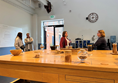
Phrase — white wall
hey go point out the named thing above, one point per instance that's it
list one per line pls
(76, 23)
(16, 17)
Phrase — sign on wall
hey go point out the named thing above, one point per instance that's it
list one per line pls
(52, 16)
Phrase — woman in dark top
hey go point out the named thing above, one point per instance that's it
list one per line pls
(101, 43)
(64, 40)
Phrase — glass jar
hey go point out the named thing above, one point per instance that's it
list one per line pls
(82, 55)
(68, 55)
(70, 47)
(89, 47)
(67, 47)
(58, 48)
(114, 48)
(42, 47)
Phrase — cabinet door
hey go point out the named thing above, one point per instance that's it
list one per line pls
(50, 78)
(77, 79)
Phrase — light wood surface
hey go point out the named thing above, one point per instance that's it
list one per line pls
(116, 81)
(77, 79)
(98, 60)
(100, 67)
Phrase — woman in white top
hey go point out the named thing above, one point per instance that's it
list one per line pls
(18, 42)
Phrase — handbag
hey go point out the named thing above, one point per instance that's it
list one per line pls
(22, 47)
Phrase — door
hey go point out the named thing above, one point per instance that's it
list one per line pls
(58, 35)
(52, 35)
(49, 34)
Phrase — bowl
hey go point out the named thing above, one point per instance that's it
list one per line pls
(53, 47)
(82, 58)
(15, 52)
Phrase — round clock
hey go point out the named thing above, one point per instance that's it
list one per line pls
(93, 17)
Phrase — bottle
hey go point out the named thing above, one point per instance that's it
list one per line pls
(82, 38)
(82, 41)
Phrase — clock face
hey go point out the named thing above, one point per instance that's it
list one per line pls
(93, 17)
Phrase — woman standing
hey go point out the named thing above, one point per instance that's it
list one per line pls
(101, 43)
(18, 42)
(64, 40)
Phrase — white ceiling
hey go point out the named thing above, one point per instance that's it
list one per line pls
(27, 5)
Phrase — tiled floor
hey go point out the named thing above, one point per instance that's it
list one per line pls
(6, 79)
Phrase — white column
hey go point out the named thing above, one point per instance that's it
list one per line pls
(35, 30)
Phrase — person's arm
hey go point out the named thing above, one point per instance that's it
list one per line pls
(70, 42)
(29, 42)
(16, 44)
(26, 42)
(62, 43)
(98, 42)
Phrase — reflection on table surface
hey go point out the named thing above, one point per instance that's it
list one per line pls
(96, 58)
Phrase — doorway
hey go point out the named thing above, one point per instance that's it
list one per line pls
(53, 32)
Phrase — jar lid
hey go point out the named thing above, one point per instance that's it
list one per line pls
(89, 45)
(68, 51)
(114, 43)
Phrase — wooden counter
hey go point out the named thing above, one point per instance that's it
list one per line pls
(101, 67)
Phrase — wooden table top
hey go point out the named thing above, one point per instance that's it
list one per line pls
(99, 60)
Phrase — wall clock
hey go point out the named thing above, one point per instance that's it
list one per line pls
(92, 17)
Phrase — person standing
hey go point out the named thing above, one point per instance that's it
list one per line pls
(101, 43)
(28, 43)
(18, 42)
(64, 40)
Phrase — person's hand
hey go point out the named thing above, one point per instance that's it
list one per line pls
(31, 39)
(70, 41)
(86, 49)
(26, 41)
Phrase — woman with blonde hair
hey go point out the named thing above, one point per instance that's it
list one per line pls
(101, 43)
